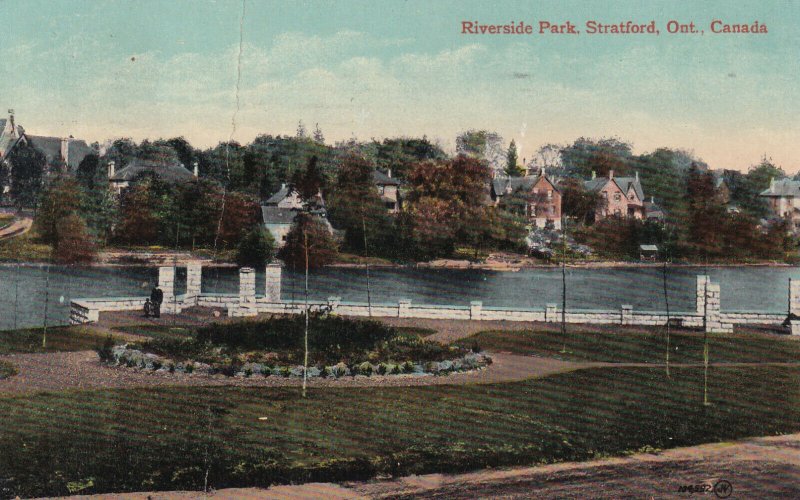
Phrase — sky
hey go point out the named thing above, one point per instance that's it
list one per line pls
(103, 69)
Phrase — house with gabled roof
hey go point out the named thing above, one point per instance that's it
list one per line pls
(171, 172)
(534, 196)
(66, 152)
(783, 198)
(282, 208)
(389, 190)
(621, 196)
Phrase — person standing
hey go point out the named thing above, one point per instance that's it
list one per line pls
(157, 297)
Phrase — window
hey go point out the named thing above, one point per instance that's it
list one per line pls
(381, 189)
(618, 213)
(617, 197)
(549, 194)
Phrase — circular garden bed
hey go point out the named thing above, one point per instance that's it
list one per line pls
(337, 347)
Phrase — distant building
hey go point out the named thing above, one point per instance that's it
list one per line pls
(388, 189)
(282, 208)
(62, 153)
(653, 211)
(783, 197)
(723, 191)
(648, 252)
(171, 172)
(537, 198)
(622, 196)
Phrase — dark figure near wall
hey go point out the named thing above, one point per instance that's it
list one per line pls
(156, 297)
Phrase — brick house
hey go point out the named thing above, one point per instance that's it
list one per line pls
(534, 196)
(622, 196)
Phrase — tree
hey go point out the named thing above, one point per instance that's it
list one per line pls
(484, 145)
(308, 236)
(585, 156)
(706, 214)
(318, 137)
(140, 222)
(301, 130)
(241, 212)
(74, 244)
(27, 172)
(512, 168)
(308, 182)
(60, 199)
(579, 203)
(256, 248)
(443, 201)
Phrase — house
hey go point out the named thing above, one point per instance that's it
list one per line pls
(171, 172)
(622, 196)
(783, 198)
(534, 196)
(281, 209)
(653, 211)
(61, 153)
(388, 189)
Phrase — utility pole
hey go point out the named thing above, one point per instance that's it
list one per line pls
(305, 361)
(563, 283)
(366, 261)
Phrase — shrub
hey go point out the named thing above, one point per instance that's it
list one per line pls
(365, 368)
(256, 248)
(189, 368)
(172, 367)
(106, 350)
(248, 372)
(156, 364)
(266, 371)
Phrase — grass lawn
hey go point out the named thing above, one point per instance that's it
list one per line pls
(170, 438)
(24, 248)
(7, 370)
(621, 344)
(61, 338)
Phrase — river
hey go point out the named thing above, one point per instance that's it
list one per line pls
(27, 291)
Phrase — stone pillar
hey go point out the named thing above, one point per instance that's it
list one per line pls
(194, 277)
(794, 297)
(403, 308)
(713, 319)
(247, 285)
(795, 326)
(166, 282)
(551, 313)
(272, 289)
(627, 315)
(702, 280)
(475, 308)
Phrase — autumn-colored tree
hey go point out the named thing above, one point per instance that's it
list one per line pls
(444, 199)
(241, 213)
(706, 215)
(75, 244)
(310, 237)
(579, 203)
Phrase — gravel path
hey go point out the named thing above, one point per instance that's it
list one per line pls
(83, 370)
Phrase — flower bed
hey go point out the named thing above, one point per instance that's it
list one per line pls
(7, 370)
(338, 347)
(125, 355)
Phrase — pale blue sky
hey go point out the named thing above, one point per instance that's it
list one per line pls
(103, 69)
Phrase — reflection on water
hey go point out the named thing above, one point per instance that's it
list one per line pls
(23, 295)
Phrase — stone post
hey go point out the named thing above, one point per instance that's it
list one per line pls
(194, 277)
(551, 313)
(702, 280)
(475, 308)
(627, 315)
(166, 282)
(403, 308)
(794, 297)
(247, 285)
(795, 326)
(713, 318)
(272, 289)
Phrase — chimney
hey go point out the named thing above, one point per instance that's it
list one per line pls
(195, 170)
(653, 200)
(11, 120)
(637, 175)
(283, 185)
(111, 169)
(594, 175)
(389, 173)
(610, 174)
(542, 172)
(65, 151)
(771, 184)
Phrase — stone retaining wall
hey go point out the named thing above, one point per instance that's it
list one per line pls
(708, 314)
